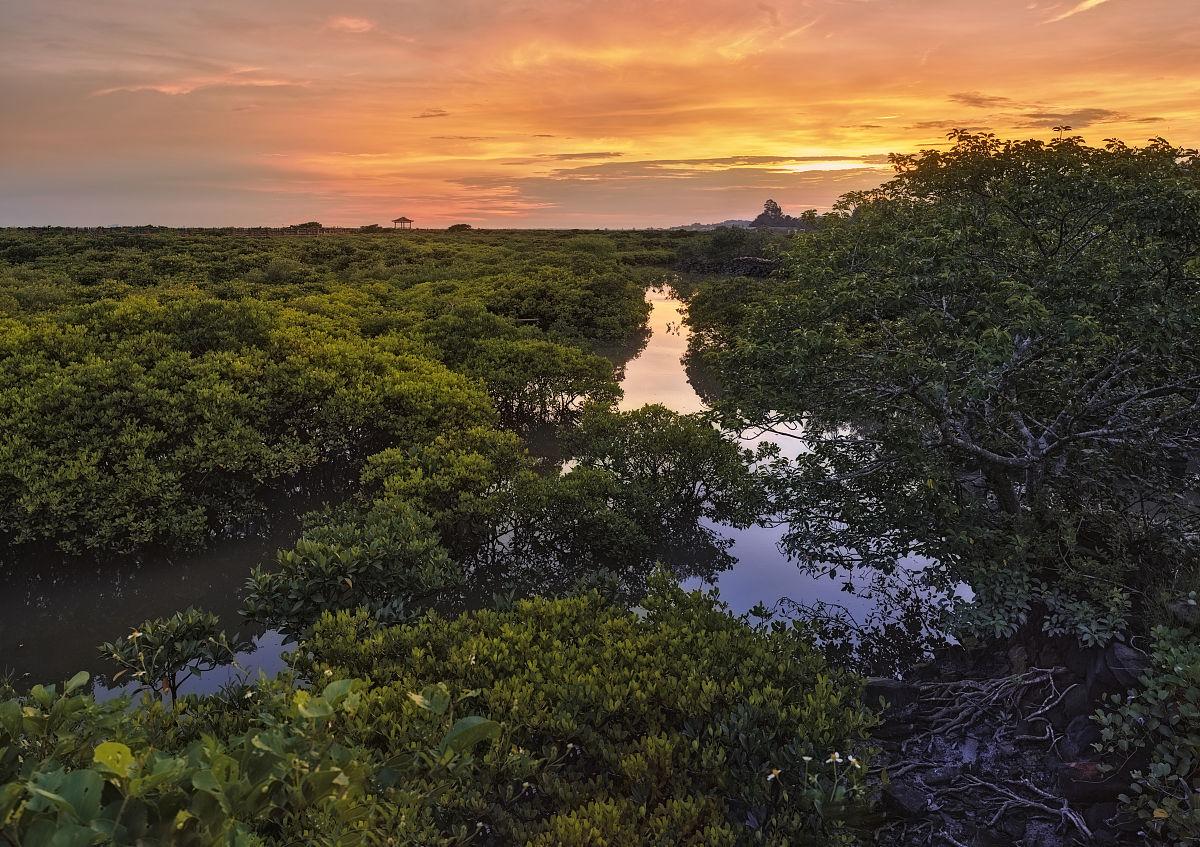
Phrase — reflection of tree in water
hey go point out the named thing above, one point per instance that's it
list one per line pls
(703, 377)
(625, 351)
(688, 552)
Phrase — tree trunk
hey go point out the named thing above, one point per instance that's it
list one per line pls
(1001, 484)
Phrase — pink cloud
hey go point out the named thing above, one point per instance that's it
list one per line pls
(351, 25)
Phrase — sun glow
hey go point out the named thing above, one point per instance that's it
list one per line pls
(542, 114)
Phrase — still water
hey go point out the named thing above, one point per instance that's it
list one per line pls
(54, 613)
(763, 574)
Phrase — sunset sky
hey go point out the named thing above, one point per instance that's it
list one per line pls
(546, 112)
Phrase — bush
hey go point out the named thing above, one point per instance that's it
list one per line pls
(162, 654)
(1163, 718)
(558, 722)
(678, 723)
(65, 781)
(384, 560)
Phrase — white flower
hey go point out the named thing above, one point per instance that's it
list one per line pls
(774, 774)
(806, 758)
(834, 757)
(853, 761)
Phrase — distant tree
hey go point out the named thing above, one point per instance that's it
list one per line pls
(772, 215)
(458, 227)
(306, 225)
(371, 228)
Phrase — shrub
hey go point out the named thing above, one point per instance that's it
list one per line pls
(681, 722)
(162, 654)
(383, 560)
(1162, 717)
(65, 781)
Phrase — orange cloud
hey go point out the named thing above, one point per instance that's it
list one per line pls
(352, 25)
(537, 112)
(1082, 6)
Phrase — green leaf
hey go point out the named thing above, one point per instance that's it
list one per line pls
(433, 698)
(336, 690)
(467, 732)
(82, 789)
(312, 707)
(114, 757)
(76, 682)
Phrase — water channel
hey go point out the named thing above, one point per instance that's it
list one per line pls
(53, 615)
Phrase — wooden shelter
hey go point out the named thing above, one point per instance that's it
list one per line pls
(402, 222)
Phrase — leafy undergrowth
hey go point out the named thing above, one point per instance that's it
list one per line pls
(566, 721)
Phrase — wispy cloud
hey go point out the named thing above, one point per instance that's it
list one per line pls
(979, 100)
(1082, 6)
(237, 78)
(566, 157)
(1075, 118)
(712, 110)
(351, 25)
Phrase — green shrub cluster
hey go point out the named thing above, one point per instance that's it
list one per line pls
(677, 724)
(1161, 718)
(568, 721)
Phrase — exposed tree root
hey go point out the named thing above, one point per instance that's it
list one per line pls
(972, 771)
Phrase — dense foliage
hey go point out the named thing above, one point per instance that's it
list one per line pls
(1159, 724)
(559, 722)
(155, 386)
(993, 364)
(994, 358)
(158, 386)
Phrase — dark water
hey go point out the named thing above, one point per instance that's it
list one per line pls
(54, 613)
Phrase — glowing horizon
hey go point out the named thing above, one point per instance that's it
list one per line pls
(571, 113)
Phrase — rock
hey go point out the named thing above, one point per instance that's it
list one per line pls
(969, 749)
(943, 776)
(1116, 668)
(894, 730)
(896, 692)
(1013, 824)
(1185, 611)
(1082, 782)
(905, 799)
(1098, 815)
(1074, 703)
(1080, 735)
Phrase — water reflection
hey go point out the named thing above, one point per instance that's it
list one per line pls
(664, 374)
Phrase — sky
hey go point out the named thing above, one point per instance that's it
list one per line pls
(559, 113)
